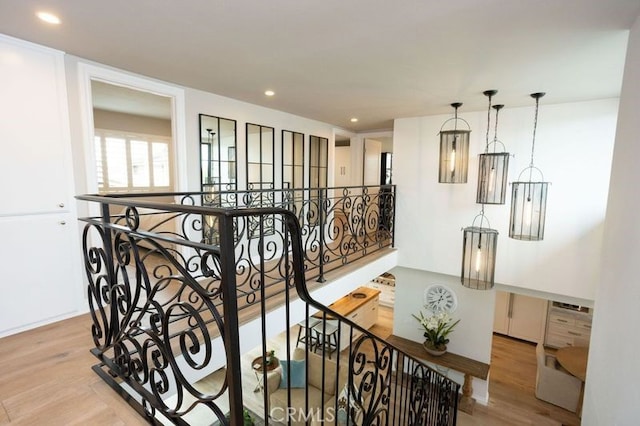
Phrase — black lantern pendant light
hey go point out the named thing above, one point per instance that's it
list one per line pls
(529, 198)
(479, 247)
(494, 165)
(454, 150)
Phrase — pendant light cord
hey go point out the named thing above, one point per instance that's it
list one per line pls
(495, 133)
(486, 148)
(535, 124)
(455, 119)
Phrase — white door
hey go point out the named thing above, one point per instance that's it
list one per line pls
(371, 162)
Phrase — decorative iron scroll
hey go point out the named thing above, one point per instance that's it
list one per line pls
(153, 321)
(387, 387)
(164, 300)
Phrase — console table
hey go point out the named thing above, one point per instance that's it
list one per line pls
(469, 367)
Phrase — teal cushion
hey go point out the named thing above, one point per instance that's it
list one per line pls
(298, 377)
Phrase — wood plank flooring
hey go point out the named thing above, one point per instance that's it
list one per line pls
(46, 379)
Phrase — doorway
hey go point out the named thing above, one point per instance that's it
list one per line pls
(133, 139)
(136, 105)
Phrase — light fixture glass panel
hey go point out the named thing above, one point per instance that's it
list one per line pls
(479, 257)
(454, 156)
(492, 178)
(528, 208)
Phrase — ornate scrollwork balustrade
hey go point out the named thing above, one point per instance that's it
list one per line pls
(167, 304)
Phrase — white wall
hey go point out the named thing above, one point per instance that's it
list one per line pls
(199, 102)
(574, 145)
(470, 338)
(111, 120)
(612, 392)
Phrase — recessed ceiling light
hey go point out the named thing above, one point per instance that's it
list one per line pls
(48, 18)
(354, 120)
(269, 92)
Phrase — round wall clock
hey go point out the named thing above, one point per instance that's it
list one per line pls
(440, 298)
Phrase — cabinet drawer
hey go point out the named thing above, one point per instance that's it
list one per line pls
(561, 319)
(583, 325)
(375, 285)
(558, 341)
(355, 315)
(571, 331)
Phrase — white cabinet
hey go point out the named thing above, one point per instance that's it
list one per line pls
(568, 327)
(365, 316)
(34, 135)
(40, 245)
(40, 282)
(520, 316)
(342, 166)
(387, 289)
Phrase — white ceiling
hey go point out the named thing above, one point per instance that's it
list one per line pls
(332, 60)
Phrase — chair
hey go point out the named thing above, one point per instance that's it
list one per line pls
(554, 385)
(326, 334)
(308, 334)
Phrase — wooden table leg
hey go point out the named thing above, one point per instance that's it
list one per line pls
(467, 402)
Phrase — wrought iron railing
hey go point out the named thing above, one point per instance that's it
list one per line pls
(181, 326)
(339, 225)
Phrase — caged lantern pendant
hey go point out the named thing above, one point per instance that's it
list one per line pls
(494, 166)
(529, 198)
(479, 247)
(454, 150)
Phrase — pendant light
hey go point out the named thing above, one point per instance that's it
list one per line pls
(479, 247)
(529, 198)
(494, 165)
(454, 150)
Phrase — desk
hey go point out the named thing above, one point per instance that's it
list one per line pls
(574, 360)
(469, 367)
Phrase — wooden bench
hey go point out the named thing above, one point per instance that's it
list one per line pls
(469, 367)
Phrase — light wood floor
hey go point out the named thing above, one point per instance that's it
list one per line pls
(46, 379)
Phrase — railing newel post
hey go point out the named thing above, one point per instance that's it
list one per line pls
(230, 312)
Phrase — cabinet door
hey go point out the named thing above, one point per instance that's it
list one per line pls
(370, 313)
(39, 282)
(528, 315)
(342, 166)
(501, 313)
(34, 167)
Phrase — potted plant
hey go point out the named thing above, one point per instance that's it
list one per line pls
(270, 358)
(246, 417)
(248, 420)
(436, 329)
